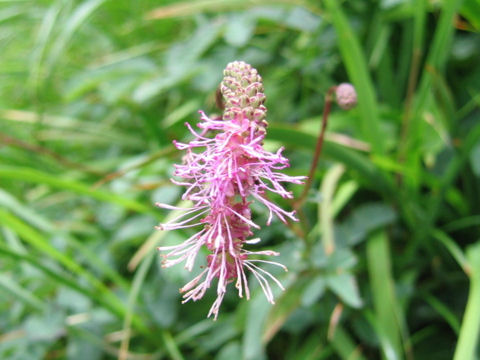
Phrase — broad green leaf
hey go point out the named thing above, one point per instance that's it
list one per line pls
(363, 220)
(345, 287)
(239, 29)
(314, 290)
(45, 327)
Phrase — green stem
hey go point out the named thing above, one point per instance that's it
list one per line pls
(470, 329)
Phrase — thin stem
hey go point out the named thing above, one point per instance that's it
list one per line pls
(318, 148)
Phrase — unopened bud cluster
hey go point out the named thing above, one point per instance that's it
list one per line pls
(242, 90)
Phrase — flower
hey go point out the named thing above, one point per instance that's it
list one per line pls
(346, 96)
(223, 174)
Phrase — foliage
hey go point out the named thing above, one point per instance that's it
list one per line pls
(92, 94)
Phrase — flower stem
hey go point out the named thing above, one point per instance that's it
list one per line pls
(318, 147)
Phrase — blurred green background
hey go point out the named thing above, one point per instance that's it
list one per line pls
(92, 93)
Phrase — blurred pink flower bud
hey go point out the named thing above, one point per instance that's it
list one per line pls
(346, 96)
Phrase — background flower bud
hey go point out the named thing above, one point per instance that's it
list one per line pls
(346, 96)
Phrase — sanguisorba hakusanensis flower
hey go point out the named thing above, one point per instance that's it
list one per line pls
(226, 168)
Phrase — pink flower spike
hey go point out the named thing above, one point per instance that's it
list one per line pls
(224, 169)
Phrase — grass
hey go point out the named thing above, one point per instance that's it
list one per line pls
(385, 263)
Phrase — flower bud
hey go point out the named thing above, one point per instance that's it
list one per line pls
(346, 96)
(242, 90)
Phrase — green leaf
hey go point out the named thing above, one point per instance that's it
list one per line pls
(35, 176)
(45, 327)
(326, 216)
(231, 351)
(471, 11)
(344, 345)
(364, 219)
(357, 162)
(258, 309)
(357, 69)
(285, 305)
(470, 330)
(345, 287)
(24, 212)
(239, 29)
(454, 250)
(75, 20)
(444, 311)
(56, 274)
(475, 159)
(388, 318)
(80, 348)
(301, 19)
(314, 290)
(20, 293)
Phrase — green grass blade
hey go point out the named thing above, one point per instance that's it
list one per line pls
(20, 293)
(327, 190)
(100, 293)
(471, 11)
(454, 250)
(76, 19)
(387, 314)
(357, 69)
(29, 216)
(470, 330)
(451, 173)
(351, 159)
(55, 274)
(35, 176)
(44, 34)
(24, 212)
(138, 280)
(444, 311)
(40, 243)
(437, 55)
(344, 345)
(188, 8)
(154, 239)
(434, 65)
(344, 193)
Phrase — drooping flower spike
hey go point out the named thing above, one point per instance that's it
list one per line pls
(226, 168)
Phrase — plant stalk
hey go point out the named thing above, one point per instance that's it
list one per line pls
(469, 332)
(318, 147)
